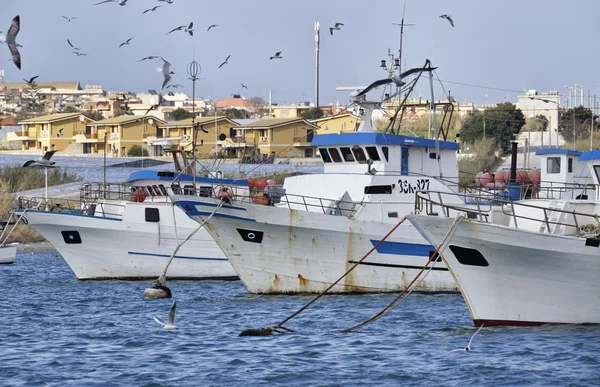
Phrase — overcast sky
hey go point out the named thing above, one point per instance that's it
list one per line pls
(510, 44)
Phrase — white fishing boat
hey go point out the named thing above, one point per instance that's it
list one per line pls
(8, 253)
(303, 237)
(529, 262)
(130, 231)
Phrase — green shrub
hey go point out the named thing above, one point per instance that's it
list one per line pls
(137, 151)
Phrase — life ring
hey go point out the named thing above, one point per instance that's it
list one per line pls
(138, 195)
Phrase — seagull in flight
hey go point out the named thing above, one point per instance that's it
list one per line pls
(167, 1)
(10, 40)
(187, 29)
(225, 62)
(244, 86)
(175, 86)
(447, 17)
(125, 43)
(79, 53)
(211, 26)
(31, 80)
(69, 18)
(45, 160)
(277, 55)
(153, 107)
(149, 57)
(170, 325)
(166, 70)
(152, 9)
(121, 2)
(397, 79)
(335, 27)
(72, 46)
(60, 132)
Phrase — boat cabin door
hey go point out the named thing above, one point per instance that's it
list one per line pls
(404, 161)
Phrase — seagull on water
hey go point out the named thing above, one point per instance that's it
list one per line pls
(72, 46)
(45, 160)
(31, 80)
(166, 70)
(69, 18)
(152, 9)
(10, 40)
(244, 86)
(211, 26)
(277, 55)
(121, 2)
(170, 325)
(149, 57)
(125, 43)
(225, 62)
(447, 17)
(335, 27)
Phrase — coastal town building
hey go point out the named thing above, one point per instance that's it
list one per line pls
(340, 123)
(122, 133)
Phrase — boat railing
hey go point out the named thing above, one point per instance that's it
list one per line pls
(71, 206)
(553, 216)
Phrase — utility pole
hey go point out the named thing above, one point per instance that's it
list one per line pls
(317, 32)
(270, 104)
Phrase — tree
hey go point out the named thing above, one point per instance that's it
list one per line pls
(234, 113)
(121, 111)
(313, 113)
(93, 114)
(502, 122)
(137, 151)
(575, 124)
(181, 114)
(260, 106)
(71, 109)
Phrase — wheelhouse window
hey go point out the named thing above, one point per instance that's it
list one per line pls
(359, 154)
(325, 155)
(386, 153)
(570, 165)
(335, 155)
(553, 165)
(378, 189)
(347, 154)
(372, 152)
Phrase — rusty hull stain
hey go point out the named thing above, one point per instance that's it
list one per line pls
(303, 284)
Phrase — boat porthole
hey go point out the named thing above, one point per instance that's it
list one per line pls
(251, 235)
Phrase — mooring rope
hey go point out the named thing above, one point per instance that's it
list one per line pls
(3, 241)
(160, 281)
(280, 325)
(408, 290)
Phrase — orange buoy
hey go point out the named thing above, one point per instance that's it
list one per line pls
(535, 175)
(270, 183)
(260, 184)
(502, 176)
(483, 178)
(523, 177)
(225, 193)
(251, 183)
(138, 195)
(261, 198)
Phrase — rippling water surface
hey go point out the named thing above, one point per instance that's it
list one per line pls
(57, 330)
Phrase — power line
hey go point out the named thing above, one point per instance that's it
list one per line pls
(484, 87)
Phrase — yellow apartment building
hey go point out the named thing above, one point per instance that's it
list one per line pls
(337, 124)
(178, 134)
(50, 132)
(281, 137)
(122, 133)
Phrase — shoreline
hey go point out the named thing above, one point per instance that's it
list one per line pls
(36, 247)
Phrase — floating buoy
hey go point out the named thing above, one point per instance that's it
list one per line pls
(261, 198)
(260, 184)
(251, 182)
(156, 292)
(502, 176)
(138, 195)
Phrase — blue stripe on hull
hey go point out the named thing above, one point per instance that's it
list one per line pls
(398, 248)
(177, 256)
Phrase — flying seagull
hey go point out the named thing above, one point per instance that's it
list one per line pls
(397, 79)
(211, 26)
(170, 325)
(277, 55)
(148, 57)
(447, 17)
(184, 28)
(166, 70)
(121, 2)
(153, 107)
(45, 160)
(125, 43)
(244, 86)
(79, 53)
(10, 40)
(225, 62)
(69, 18)
(335, 27)
(60, 132)
(152, 9)
(72, 46)
(31, 80)
(167, 1)
(175, 86)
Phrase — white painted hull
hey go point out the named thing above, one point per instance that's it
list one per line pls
(127, 249)
(8, 254)
(532, 278)
(305, 252)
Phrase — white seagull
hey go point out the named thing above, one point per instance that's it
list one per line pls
(72, 46)
(166, 70)
(468, 347)
(335, 27)
(69, 18)
(212, 26)
(225, 62)
(152, 9)
(170, 325)
(277, 55)
(125, 43)
(149, 57)
(187, 29)
(10, 40)
(167, 1)
(447, 17)
(121, 2)
(45, 160)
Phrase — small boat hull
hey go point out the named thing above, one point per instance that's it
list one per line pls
(8, 254)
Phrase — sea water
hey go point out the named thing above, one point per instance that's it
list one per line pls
(58, 331)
